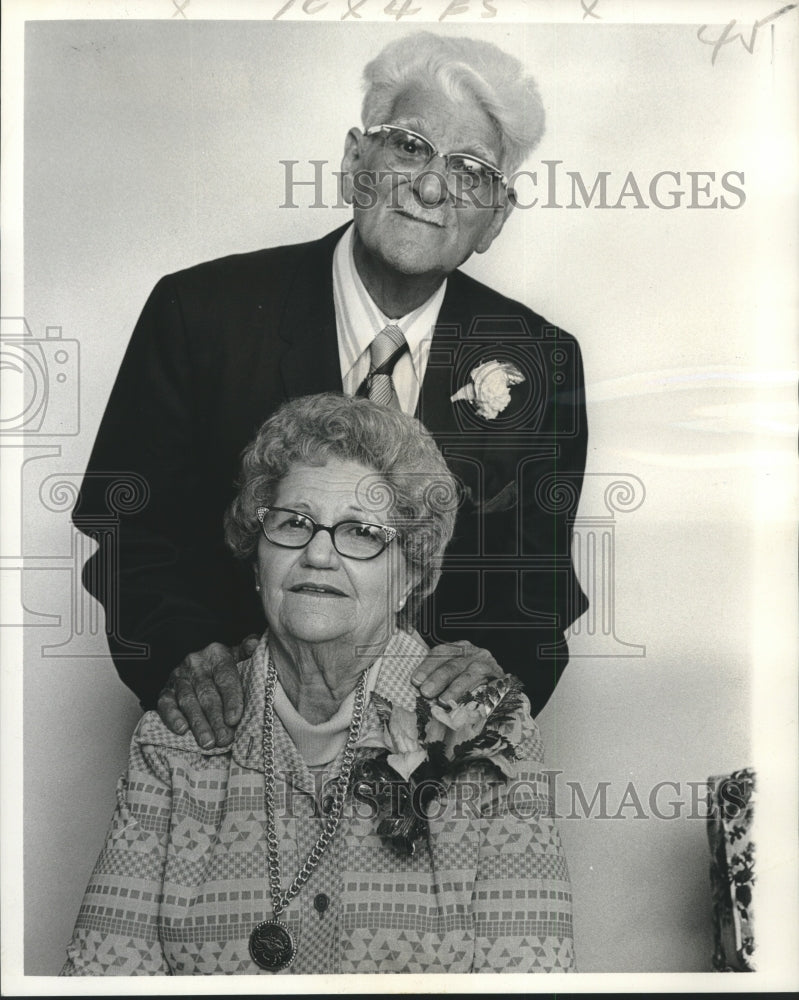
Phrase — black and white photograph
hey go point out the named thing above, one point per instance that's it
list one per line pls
(399, 487)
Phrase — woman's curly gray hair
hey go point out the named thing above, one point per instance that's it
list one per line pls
(465, 69)
(412, 486)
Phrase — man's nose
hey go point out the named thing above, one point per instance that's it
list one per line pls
(430, 187)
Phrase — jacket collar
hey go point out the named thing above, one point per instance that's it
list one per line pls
(435, 410)
(310, 361)
(401, 656)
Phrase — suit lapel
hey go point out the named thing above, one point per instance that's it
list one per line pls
(468, 332)
(435, 410)
(310, 360)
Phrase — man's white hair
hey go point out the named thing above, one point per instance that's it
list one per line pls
(466, 70)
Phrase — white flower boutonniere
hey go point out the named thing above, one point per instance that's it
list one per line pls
(489, 389)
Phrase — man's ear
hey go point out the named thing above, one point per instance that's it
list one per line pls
(350, 163)
(501, 213)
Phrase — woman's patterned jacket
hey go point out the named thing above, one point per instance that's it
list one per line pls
(182, 878)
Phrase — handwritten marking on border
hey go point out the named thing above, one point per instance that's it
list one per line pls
(352, 9)
(590, 10)
(396, 9)
(726, 36)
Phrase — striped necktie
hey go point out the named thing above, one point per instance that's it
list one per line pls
(384, 351)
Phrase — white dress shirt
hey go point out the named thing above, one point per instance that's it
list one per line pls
(358, 322)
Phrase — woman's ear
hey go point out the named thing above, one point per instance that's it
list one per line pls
(411, 580)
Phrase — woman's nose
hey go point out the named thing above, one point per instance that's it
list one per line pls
(431, 187)
(320, 551)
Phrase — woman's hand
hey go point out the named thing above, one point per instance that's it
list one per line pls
(204, 693)
(451, 669)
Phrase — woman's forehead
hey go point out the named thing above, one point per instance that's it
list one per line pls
(337, 485)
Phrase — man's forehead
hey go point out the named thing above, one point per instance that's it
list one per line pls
(461, 125)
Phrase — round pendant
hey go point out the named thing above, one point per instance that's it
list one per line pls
(272, 946)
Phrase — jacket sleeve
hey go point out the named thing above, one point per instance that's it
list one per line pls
(117, 929)
(522, 895)
(140, 499)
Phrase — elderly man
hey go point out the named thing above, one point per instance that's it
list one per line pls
(378, 307)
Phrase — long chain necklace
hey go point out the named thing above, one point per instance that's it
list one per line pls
(272, 945)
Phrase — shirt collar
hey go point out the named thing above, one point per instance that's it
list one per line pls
(359, 320)
(390, 676)
(319, 743)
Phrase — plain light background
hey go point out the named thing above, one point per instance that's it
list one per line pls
(150, 146)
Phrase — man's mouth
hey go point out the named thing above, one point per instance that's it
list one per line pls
(419, 218)
(318, 589)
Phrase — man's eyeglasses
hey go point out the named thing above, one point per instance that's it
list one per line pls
(352, 539)
(407, 151)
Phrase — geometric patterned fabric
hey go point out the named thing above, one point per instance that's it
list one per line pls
(182, 879)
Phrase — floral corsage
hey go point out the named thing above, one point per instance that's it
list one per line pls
(419, 751)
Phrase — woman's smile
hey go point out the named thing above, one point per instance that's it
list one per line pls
(316, 590)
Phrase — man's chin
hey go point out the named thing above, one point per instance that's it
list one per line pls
(413, 258)
(408, 252)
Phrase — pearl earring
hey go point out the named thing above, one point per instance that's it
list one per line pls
(258, 586)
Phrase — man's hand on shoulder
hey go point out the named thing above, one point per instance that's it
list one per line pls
(451, 669)
(204, 694)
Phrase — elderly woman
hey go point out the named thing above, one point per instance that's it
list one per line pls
(352, 826)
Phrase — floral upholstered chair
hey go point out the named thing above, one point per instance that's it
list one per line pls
(731, 799)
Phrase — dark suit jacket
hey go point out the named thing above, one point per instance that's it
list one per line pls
(217, 349)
